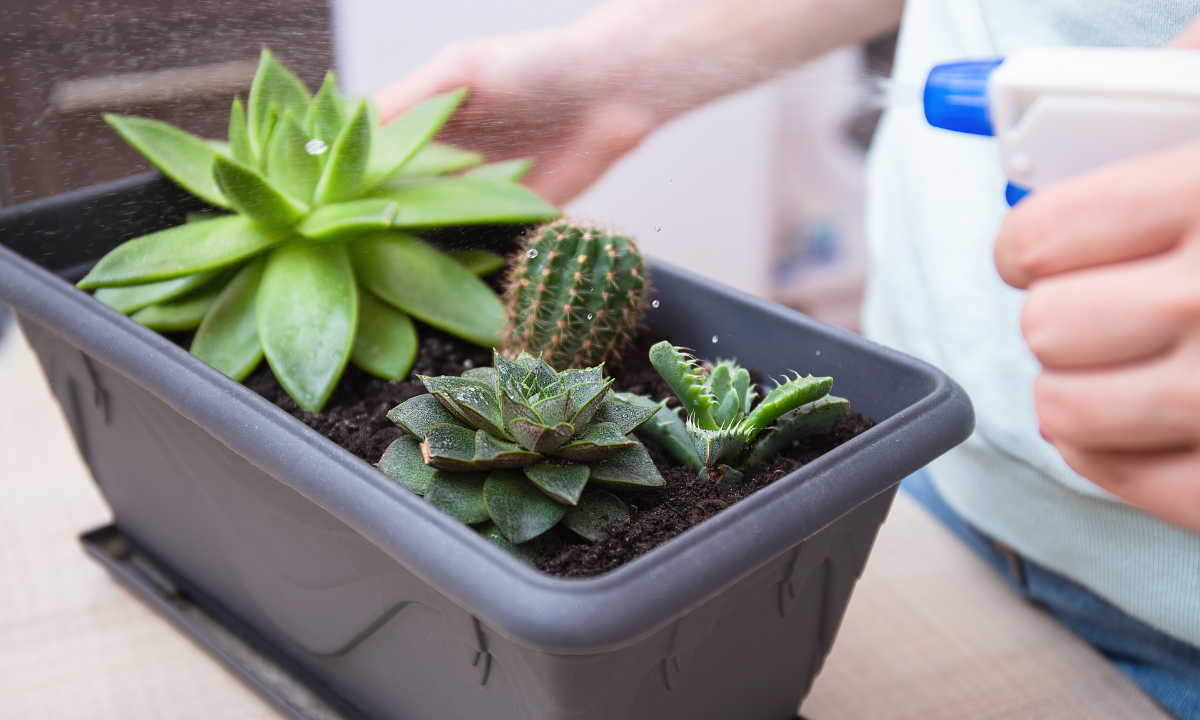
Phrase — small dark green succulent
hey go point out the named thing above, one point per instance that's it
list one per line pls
(727, 429)
(573, 295)
(520, 448)
(314, 265)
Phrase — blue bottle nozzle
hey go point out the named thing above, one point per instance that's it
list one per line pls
(956, 96)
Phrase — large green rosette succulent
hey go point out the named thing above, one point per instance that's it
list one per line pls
(314, 262)
(518, 449)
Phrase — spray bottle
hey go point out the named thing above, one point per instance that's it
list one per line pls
(1059, 111)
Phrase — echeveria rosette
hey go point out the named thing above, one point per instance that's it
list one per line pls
(315, 266)
(523, 448)
(726, 427)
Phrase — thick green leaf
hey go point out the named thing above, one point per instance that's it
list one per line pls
(402, 462)
(252, 194)
(601, 441)
(428, 285)
(290, 166)
(539, 438)
(667, 430)
(325, 115)
(342, 178)
(478, 261)
(520, 510)
(784, 398)
(400, 139)
(555, 409)
(486, 374)
(714, 446)
(679, 372)
(479, 407)
(586, 399)
(435, 158)
(228, 337)
(386, 342)
(596, 510)
(439, 202)
(135, 297)
(563, 483)
(451, 447)
(582, 376)
(508, 171)
(630, 469)
(178, 251)
(500, 454)
(239, 135)
(805, 420)
(273, 85)
(527, 553)
(417, 414)
(186, 313)
(181, 156)
(459, 495)
(307, 317)
(345, 221)
(623, 414)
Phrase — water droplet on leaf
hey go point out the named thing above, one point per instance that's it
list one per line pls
(532, 252)
(658, 228)
(714, 339)
(589, 316)
(655, 304)
(316, 146)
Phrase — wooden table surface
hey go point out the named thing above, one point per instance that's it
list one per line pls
(931, 632)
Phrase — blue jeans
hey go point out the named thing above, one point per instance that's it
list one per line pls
(1168, 670)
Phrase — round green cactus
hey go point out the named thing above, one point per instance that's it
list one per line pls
(573, 295)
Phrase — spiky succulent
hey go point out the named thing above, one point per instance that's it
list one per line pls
(573, 295)
(522, 447)
(725, 425)
(312, 267)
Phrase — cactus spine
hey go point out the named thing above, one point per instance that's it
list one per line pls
(573, 295)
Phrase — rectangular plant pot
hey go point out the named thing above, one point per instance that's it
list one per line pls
(400, 610)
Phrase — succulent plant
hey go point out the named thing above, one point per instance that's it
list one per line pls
(312, 266)
(727, 428)
(520, 448)
(573, 295)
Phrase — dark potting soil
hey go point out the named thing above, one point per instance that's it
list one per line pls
(356, 418)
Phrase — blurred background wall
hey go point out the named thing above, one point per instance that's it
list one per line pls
(761, 191)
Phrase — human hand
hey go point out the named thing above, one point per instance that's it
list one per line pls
(1111, 260)
(576, 98)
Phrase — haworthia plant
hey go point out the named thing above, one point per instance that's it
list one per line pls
(522, 449)
(727, 424)
(573, 295)
(316, 264)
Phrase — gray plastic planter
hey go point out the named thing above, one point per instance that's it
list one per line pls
(403, 612)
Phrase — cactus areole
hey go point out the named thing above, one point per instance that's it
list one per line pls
(518, 448)
(573, 295)
(309, 260)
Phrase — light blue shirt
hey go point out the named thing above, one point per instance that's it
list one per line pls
(935, 203)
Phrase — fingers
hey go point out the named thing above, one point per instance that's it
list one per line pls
(1119, 212)
(1152, 405)
(571, 168)
(1164, 484)
(1114, 313)
(453, 67)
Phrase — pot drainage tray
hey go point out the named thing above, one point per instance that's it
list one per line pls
(245, 654)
